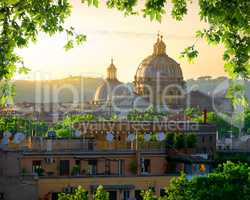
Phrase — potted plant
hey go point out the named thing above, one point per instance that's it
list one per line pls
(76, 170)
(40, 171)
(133, 166)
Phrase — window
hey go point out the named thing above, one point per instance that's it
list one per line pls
(145, 166)
(78, 162)
(120, 167)
(90, 145)
(107, 167)
(126, 195)
(36, 166)
(64, 167)
(210, 138)
(92, 167)
(203, 139)
(202, 168)
(112, 195)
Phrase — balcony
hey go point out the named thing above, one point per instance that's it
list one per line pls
(37, 145)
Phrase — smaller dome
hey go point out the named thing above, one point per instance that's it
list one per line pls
(105, 91)
(111, 86)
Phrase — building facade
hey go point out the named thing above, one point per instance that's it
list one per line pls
(40, 168)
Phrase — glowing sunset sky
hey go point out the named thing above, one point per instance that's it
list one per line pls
(127, 39)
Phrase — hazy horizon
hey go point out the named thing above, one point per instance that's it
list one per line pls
(127, 39)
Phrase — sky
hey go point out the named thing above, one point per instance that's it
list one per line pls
(128, 40)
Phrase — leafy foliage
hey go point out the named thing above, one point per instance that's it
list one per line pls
(101, 194)
(149, 195)
(219, 119)
(79, 194)
(65, 128)
(230, 181)
(190, 53)
(148, 115)
(20, 24)
(18, 124)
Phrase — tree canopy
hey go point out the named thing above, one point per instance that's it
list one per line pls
(229, 181)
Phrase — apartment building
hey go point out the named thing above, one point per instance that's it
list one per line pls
(117, 155)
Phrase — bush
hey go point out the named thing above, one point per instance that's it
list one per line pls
(101, 194)
(78, 194)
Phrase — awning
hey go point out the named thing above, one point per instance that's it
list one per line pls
(113, 187)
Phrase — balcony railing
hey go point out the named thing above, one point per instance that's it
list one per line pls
(80, 145)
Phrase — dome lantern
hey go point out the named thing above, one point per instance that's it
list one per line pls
(159, 46)
(111, 71)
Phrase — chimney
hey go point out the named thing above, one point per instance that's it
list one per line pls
(205, 116)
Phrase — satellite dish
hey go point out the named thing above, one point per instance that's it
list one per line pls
(18, 138)
(7, 134)
(131, 137)
(51, 134)
(109, 136)
(77, 133)
(5, 141)
(160, 136)
(147, 137)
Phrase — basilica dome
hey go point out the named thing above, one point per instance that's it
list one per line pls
(159, 77)
(111, 87)
(159, 64)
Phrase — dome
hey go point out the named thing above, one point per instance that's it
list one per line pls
(159, 64)
(104, 91)
(159, 78)
(111, 87)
